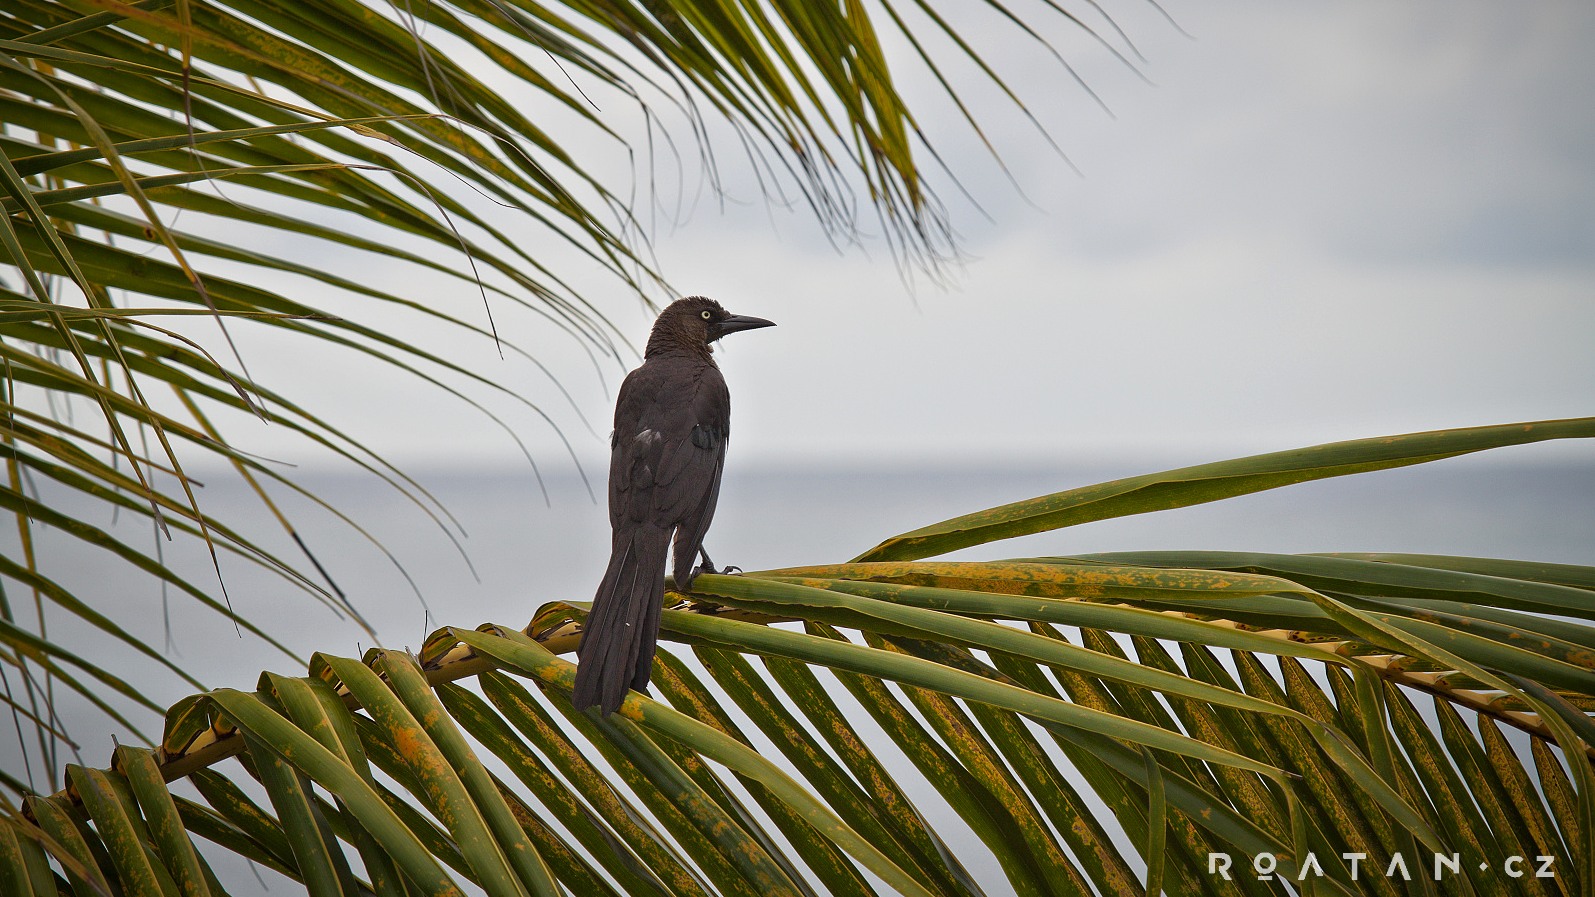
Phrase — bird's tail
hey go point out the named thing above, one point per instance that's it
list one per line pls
(617, 646)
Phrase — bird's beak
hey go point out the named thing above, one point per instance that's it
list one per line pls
(736, 323)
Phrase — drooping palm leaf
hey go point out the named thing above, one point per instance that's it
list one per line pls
(146, 147)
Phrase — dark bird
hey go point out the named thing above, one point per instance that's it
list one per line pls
(668, 448)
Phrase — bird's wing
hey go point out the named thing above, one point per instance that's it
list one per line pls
(668, 447)
(695, 437)
(689, 475)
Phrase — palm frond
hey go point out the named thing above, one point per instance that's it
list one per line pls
(1107, 724)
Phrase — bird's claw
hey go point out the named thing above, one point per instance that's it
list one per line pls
(708, 567)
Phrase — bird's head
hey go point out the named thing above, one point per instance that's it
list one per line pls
(695, 322)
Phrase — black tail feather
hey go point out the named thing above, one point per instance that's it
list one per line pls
(617, 646)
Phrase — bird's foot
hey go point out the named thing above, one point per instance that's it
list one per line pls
(708, 567)
(723, 571)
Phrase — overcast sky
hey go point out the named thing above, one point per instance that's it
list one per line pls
(1308, 222)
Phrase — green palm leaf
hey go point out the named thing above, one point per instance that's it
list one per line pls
(1014, 695)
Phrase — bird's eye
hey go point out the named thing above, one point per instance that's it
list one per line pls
(707, 315)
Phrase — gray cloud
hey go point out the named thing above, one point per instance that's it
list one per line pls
(1323, 221)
